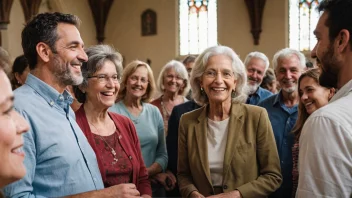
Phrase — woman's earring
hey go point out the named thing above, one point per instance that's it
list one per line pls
(233, 94)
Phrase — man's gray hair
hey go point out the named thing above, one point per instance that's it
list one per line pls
(259, 55)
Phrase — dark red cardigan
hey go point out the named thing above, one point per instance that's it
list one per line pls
(130, 144)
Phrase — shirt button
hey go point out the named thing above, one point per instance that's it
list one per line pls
(130, 157)
(51, 103)
(225, 187)
(282, 162)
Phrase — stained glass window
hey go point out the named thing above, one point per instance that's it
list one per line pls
(198, 25)
(303, 20)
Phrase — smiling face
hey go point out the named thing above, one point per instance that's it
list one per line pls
(67, 61)
(103, 86)
(12, 125)
(255, 73)
(173, 82)
(287, 73)
(312, 95)
(324, 51)
(218, 79)
(137, 83)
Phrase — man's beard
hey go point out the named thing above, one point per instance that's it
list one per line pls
(63, 73)
(251, 89)
(328, 78)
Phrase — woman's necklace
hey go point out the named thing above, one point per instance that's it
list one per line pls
(113, 152)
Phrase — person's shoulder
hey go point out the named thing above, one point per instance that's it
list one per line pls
(25, 97)
(265, 93)
(268, 101)
(150, 107)
(119, 118)
(156, 101)
(248, 110)
(189, 116)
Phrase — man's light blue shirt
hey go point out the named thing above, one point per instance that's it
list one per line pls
(58, 158)
(260, 95)
(282, 120)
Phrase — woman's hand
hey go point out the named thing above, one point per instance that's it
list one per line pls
(232, 194)
(196, 194)
(166, 180)
(124, 191)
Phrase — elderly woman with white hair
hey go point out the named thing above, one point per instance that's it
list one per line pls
(226, 148)
(173, 84)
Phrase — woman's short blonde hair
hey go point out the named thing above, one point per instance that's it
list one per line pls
(128, 71)
(201, 65)
(180, 70)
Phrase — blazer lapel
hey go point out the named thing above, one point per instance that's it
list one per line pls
(201, 137)
(234, 130)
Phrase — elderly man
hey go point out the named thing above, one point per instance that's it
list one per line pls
(256, 65)
(58, 157)
(282, 109)
(325, 156)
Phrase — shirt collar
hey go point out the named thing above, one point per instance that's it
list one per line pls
(278, 98)
(342, 92)
(47, 92)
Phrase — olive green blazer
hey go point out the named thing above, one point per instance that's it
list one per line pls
(251, 162)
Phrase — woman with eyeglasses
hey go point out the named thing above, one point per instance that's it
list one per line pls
(137, 88)
(112, 136)
(174, 86)
(225, 148)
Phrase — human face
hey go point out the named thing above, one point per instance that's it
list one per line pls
(69, 55)
(189, 67)
(173, 82)
(102, 91)
(287, 73)
(12, 125)
(255, 73)
(324, 51)
(137, 83)
(222, 82)
(271, 87)
(313, 96)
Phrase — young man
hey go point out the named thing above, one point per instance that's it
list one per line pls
(58, 157)
(325, 157)
(256, 65)
(282, 109)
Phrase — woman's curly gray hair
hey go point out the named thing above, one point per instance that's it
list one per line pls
(201, 65)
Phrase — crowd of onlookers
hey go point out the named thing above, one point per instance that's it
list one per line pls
(78, 124)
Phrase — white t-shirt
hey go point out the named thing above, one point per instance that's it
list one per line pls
(325, 153)
(216, 139)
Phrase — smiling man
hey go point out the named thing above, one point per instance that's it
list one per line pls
(256, 65)
(282, 109)
(58, 157)
(325, 161)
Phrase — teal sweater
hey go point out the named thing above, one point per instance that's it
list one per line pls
(150, 130)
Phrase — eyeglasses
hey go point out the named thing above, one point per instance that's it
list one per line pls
(104, 78)
(171, 77)
(226, 74)
(135, 79)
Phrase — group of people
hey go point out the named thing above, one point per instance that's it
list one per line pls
(213, 131)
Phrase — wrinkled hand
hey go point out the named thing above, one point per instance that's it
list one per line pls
(232, 194)
(196, 194)
(124, 191)
(166, 180)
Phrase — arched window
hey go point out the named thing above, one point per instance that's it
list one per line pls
(303, 20)
(198, 25)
